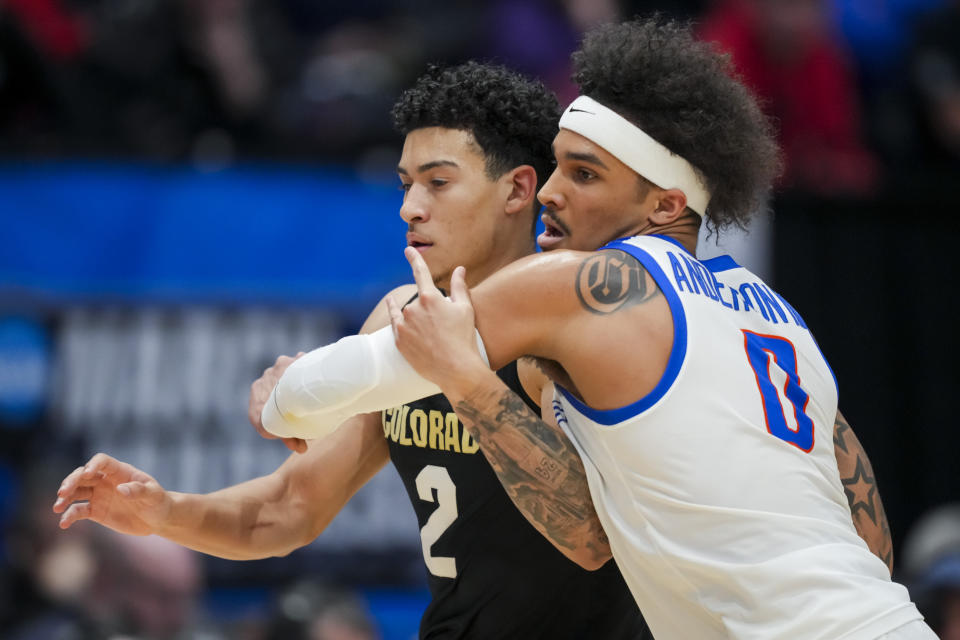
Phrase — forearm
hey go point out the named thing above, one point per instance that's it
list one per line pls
(537, 465)
(275, 514)
(247, 521)
(860, 487)
(357, 374)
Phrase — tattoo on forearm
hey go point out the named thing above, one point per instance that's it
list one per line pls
(534, 459)
(612, 280)
(860, 487)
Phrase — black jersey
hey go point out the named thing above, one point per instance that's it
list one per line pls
(491, 574)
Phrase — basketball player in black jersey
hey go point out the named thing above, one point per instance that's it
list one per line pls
(477, 140)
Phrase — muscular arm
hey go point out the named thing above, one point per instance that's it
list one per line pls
(860, 486)
(538, 467)
(275, 514)
(267, 516)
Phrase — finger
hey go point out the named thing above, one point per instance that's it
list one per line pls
(253, 413)
(295, 444)
(396, 315)
(259, 395)
(262, 431)
(459, 292)
(102, 464)
(77, 511)
(252, 403)
(70, 481)
(82, 493)
(421, 274)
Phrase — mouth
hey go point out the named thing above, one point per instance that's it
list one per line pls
(418, 242)
(554, 233)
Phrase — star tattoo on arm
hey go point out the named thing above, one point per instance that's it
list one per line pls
(860, 487)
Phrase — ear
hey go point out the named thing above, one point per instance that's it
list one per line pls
(522, 182)
(671, 205)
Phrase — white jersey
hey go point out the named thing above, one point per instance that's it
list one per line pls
(719, 491)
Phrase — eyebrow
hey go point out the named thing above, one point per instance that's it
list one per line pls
(430, 165)
(585, 157)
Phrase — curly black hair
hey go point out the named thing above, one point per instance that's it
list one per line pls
(684, 94)
(512, 118)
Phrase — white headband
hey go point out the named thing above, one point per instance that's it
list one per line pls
(634, 148)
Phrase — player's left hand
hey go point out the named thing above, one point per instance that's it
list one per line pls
(260, 393)
(436, 334)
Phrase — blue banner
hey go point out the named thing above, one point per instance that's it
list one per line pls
(263, 234)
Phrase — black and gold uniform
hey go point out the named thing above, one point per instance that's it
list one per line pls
(491, 574)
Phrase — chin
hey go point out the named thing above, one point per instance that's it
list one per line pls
(441, 278)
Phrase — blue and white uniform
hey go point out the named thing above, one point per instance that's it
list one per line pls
(719, 491)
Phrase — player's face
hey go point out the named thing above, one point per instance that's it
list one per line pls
(451, 207)
(591, 197)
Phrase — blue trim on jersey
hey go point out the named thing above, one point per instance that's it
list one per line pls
(826, 362)
(720, 263)
(677, 353)
(654, 235)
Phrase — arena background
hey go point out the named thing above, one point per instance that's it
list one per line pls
(189, 189)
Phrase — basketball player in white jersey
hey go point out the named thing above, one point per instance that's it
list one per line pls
(696, 397)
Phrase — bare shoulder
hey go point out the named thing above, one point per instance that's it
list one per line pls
(380, 317)
(598, 282)
(517, 307)
(541, 281)
(610, 280)
(534, 306)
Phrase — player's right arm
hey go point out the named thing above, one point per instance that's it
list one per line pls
(860, 487)
(267, 516)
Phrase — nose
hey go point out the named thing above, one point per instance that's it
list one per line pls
(414, 207)
(549, 194)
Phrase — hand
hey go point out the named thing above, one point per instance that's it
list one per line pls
(436, 334)
(114, 494)
(260, 393)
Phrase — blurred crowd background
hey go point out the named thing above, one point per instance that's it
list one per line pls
(189, 189)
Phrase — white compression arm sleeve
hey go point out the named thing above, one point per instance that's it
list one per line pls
(357, 374)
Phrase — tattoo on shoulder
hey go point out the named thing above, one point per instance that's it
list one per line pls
(612, 280)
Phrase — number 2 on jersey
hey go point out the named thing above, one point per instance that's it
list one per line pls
(762, 352)
(430, 478)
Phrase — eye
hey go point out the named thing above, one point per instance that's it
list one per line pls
(583, 175)
(405, 186)
(438, 182)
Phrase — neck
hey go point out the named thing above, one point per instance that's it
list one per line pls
(503, 255)
(684, 230)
